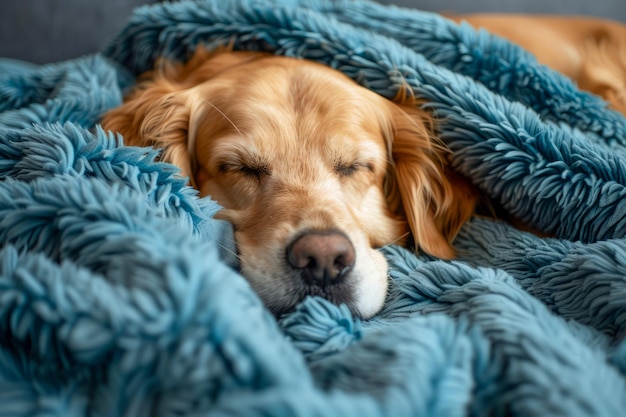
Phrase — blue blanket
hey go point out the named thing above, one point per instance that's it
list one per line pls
(119, 294)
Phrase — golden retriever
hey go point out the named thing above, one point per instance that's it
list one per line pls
(314, 171)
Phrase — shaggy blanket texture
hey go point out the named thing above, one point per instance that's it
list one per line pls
(119, 294)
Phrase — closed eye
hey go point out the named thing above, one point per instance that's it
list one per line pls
(250, 171)
(347, 170)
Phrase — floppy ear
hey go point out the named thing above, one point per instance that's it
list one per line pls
(435, 201)
(165, 109)
(156, 115)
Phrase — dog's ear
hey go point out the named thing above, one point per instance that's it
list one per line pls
(158, 114)
(421, 187)
(167, 106)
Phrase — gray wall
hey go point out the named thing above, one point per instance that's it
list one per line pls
(43, 31)
(611, 9)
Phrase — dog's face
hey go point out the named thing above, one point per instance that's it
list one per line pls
(313, 171)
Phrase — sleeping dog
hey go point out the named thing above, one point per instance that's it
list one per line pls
(314, 171)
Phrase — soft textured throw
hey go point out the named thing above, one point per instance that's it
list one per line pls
(119, 294)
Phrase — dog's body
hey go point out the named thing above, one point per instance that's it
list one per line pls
(313, 171)
(590, 51)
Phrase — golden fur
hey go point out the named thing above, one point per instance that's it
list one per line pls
(289, 146)
(590, 51)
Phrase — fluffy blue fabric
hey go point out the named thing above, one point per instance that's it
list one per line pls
(119, 293)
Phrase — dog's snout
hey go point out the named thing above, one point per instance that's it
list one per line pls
(324, 257)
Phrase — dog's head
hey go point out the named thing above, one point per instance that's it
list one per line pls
(313, 171)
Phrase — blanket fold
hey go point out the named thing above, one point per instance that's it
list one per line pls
(119, 292)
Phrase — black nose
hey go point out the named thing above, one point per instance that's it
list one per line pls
(324, 257)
